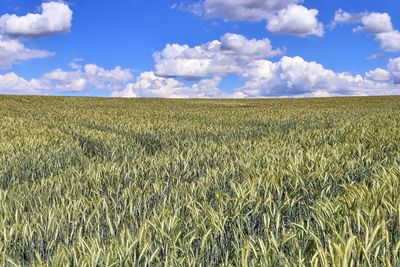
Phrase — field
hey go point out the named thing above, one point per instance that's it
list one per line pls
(150, 182)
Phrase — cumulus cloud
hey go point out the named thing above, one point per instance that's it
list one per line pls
(390, 41)
(287, 77)
(241, 10)
(215, 58)
(77, 84)
(375, 23)
(275, 12)
(13, 51)
(378, 75)
(116, 74)
(296, 20)
(394, 69)
(55, 17)
(11, 83)
(150, 85)
(345, 17)
(248, 59)
(378, 24)
(372, 23)
(92, 76)
(59, 81)
(293, 76)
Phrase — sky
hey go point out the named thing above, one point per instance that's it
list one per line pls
(200, 48)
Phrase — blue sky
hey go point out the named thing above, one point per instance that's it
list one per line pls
(121, 49)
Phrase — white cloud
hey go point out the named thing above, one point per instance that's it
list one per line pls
(244, 9)
(216, 58)
(11, 83)
(376, 56)
(293, 76)
(345, 17)
(288, 77)
(55, 17)
(92, 76)
(78, 84)
(253, 10)
(116, 74)
(58, 75)
(372, 23)
(375, 23)
(207, 88)
(63, 81)
(378, 75)
(76, 63)
(390, 41)
(60, 81)
(150, 85)
(234, 54)
(12, 51)
(278, 13)
(394, 69)
(296, 20)
(378, 24)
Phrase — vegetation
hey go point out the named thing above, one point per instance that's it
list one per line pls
(140, 182)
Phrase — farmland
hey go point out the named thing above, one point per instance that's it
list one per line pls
(139, 182)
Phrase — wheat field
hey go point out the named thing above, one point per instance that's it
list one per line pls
(151, 182)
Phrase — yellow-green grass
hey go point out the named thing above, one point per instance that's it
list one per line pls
(151, 182)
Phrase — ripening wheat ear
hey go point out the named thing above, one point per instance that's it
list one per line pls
(148, 182)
